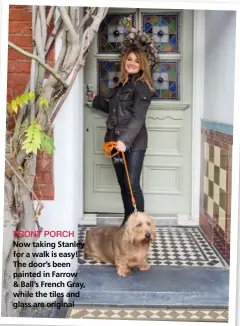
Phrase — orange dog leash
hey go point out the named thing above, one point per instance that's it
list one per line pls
(107, 148)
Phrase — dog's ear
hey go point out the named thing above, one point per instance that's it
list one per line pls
(152, 221)
(128, 232)
(153, 226)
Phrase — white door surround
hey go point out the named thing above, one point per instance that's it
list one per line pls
(197, 108)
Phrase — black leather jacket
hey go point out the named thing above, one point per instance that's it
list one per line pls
(127, 108)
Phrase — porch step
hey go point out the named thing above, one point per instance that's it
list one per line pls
(116, 219)
(161, 286)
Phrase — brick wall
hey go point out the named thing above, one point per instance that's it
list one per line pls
(20, 33)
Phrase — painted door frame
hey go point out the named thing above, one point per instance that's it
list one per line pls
(197, 109)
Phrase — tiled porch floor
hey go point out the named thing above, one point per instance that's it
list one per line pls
(173, 246)
(188, 281)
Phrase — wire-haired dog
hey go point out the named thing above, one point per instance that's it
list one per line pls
(127, 247)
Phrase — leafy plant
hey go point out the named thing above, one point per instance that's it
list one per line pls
(36, 138)
(47, 143)
(43, 102)
(17, 103)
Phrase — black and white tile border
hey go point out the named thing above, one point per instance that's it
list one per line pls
(173, 246)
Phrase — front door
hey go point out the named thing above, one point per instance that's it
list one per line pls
(166, 175)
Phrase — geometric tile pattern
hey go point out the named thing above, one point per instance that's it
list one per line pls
(164, 29)
(161, 314)
(216, 176)
(113, 30)
(165, 78)
(173, 246)
(215, 184)
(108, 75)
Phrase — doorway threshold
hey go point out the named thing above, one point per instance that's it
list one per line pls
(117, 218)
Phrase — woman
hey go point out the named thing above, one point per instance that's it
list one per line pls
(127, 107)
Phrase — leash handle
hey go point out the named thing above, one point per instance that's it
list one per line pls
(107, 148)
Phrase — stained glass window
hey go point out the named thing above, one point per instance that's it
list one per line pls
(165, 78)
(113, 30)
(164, 29)
(108, 75)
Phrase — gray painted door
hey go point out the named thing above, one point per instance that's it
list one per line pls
(166, 175)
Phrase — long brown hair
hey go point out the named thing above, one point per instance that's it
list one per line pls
(144, 73)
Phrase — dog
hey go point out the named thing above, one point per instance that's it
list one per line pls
(125, 247)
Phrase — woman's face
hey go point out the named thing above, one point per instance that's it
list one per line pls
(132, 64)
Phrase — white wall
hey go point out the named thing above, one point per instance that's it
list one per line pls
(219, 66)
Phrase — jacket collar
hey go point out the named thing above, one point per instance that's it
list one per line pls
(132, 77)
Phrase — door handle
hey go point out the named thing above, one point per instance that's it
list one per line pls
(87, 130)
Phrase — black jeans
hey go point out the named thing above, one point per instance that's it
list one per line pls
(134, 161)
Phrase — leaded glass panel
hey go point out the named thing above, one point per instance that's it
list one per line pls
(108, 75)
(113, 30)
(164, 28)
(165, 78)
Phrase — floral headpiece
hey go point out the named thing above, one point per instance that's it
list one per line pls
(136, 40)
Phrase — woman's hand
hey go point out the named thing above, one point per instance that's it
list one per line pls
(121, 147)
(91, 96)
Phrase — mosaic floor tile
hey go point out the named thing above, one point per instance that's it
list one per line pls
(207, 315)
(173, 246)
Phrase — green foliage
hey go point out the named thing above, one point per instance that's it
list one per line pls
(17, 103)
(37, 139)
(43, 102)
(33, 138)
(47, 143)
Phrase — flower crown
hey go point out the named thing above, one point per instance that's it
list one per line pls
(143, 42)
